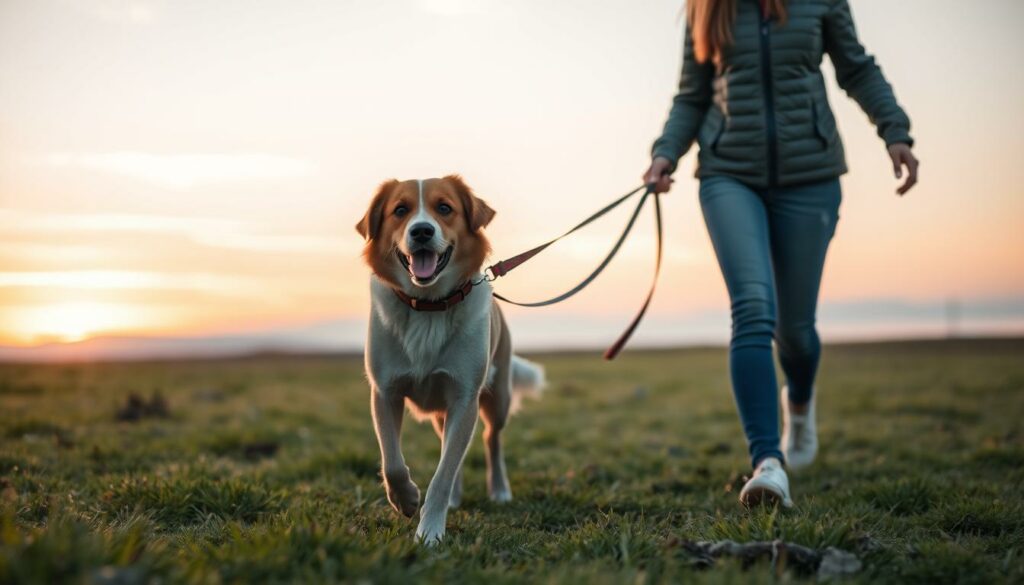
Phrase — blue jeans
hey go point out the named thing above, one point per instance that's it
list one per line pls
(771, 246)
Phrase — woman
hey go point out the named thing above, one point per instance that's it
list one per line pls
(753, 96)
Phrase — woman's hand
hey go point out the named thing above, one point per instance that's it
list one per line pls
(658, 173)
(902, 156)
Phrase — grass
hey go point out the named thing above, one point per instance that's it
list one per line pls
(266, 470)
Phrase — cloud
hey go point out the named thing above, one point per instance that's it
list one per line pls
(206, 231)
(43, 252)
(275, 243)
(126, 280)
(115, 222)
(452, 7)
(182, 171)
(126, 11)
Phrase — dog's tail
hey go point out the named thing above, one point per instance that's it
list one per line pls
(527, 380)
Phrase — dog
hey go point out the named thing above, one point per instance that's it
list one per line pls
(437, 342)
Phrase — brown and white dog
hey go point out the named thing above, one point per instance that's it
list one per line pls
(437, 343)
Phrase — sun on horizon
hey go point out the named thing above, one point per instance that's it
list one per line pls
(73, 321)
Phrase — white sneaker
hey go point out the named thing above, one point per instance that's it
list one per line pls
(799, 434)
(768, 486)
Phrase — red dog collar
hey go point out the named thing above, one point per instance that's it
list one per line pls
(456, 297)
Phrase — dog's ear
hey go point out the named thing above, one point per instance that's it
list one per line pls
(478, 213)
(369, 226)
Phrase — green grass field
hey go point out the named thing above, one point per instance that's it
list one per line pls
(266, 470)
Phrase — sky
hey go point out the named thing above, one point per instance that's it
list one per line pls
(195, 169)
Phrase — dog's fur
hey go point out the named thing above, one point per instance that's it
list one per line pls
(447, 365)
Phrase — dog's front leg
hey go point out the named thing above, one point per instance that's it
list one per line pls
(459, 424)
(387, 421)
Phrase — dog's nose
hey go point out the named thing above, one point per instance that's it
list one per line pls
(421, 233)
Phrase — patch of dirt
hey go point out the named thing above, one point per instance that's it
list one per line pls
(827, 564)
(137, 408)
(260, 450)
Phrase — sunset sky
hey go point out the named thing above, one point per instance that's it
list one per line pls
(196, 168)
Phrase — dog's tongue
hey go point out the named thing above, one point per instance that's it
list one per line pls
(424, 263)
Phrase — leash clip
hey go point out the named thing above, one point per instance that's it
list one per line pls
(486, 277)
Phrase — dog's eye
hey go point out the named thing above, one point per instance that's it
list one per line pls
(444, 209)
(401, 210)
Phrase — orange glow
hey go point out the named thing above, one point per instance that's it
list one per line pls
(211, 187)
(74, 321)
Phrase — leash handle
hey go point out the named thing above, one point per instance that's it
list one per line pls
(503, 267)
(616, 347)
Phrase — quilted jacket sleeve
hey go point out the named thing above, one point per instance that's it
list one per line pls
(688, 106)
(861, 78)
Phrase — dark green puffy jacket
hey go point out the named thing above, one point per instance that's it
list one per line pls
(763, 116)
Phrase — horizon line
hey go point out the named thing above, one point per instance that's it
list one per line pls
(597, 349)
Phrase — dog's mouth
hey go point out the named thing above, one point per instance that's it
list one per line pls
(425, 265)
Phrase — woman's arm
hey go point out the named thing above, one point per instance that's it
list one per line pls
(688, 107)
(862, 79)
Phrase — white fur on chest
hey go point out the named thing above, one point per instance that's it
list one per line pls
(427, 336)
(424, 337)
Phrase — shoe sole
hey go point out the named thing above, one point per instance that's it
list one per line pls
(764, 496)
(760, 496)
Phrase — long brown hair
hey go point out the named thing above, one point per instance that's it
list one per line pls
(711, 25)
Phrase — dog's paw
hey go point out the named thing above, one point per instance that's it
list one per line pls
(430, 533)
(404, 497)
(501, 495)
(498, 490)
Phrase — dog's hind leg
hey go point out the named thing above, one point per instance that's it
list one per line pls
(459, 424)
(456, 499)
(402, 493)
(494, 409)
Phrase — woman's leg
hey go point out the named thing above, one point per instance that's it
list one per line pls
(802, 221)
(738, 224)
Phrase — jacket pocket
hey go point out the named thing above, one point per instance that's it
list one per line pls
(717, 136)
(711, 131)
(820, 130)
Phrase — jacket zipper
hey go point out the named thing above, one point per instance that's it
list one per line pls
(769, 101)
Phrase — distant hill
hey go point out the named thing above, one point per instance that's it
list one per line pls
(331, 336)
(878, 319)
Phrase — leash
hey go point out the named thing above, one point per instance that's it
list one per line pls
(503, 267)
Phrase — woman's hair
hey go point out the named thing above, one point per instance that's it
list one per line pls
(711, 25)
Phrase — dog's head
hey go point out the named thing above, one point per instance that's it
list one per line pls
(426, 237)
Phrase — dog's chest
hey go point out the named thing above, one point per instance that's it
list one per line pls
(413, 345)
(424, 337)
